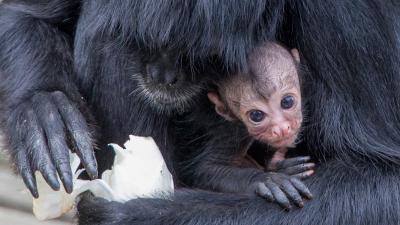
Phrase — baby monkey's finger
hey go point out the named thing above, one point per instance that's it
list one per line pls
(304, 167)
(303, 175)
(301, 187)
(264, 192)
(279, 195)
(292, 193)
(292, 162)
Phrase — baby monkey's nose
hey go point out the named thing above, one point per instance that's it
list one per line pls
(281, 130)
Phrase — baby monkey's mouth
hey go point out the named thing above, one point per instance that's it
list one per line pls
(288, 141)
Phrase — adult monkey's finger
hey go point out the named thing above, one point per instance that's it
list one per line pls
(79, 131)
(53, 126)
(26, 172)
(36, 145)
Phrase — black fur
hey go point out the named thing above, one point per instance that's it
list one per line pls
(350, 48)
(114, 89)
(36, 67)
(343, 195)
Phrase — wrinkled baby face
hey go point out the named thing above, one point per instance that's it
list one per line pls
(275, 120)
(267, 99)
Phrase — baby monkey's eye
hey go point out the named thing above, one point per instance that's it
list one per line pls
(287, 102)
(256, 115)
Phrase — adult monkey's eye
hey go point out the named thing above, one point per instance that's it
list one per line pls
(256, 116)
(287, 102)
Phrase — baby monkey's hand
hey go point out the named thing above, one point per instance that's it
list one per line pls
(299, 167)
(281, 182)
(281, 188)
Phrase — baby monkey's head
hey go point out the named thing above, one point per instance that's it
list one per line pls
(267, 99)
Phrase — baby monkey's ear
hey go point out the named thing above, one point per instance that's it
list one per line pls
(295, 54)
(220, 107)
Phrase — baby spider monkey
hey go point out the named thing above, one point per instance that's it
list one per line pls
(267, 101)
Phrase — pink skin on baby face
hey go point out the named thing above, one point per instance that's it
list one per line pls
(276, 120)
(269, 104)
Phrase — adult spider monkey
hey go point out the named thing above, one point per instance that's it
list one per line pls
(60, 96)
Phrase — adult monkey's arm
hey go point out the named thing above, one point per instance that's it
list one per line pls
(41, 106)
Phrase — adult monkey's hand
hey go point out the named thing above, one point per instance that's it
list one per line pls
(41, 110)
(39, 130)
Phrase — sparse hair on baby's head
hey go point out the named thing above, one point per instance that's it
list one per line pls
(271, 67)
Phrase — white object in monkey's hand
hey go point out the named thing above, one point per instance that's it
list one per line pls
(139, 170)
